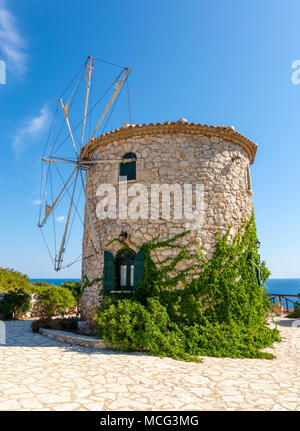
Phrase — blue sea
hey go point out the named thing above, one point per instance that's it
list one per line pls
(285, 286)
(55, 281)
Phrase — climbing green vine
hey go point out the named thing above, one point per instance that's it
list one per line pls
(187, 306)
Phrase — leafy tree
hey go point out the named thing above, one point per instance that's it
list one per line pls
(15, 304)
(11, 279)
(56, 299)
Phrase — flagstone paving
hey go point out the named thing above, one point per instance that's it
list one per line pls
(37, 373)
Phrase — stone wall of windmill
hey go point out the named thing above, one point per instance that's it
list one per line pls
(217, 157)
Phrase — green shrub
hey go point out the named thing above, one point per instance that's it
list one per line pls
(296, 313)
(40, 286)
(76, 288)
(56, 299)
(229, 340)
(14, 304)
(128, 325)
(219, 311)
(13, 280)
(69, 324)
(37, 284)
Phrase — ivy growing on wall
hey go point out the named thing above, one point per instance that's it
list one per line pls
(186, 306)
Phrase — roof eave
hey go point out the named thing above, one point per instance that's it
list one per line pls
(226, 133)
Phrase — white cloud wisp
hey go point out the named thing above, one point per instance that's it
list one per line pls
(12, 44)
(31, 129)
(60, 219)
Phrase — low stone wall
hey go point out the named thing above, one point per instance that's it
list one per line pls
(38, 308)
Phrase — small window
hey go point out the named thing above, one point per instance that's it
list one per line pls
(128, 166)
(249, 185)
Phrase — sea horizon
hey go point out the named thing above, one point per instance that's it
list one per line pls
(285, 286)
(79, 278)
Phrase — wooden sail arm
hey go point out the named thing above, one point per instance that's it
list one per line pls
(117, 89)
(62, 246)
(65, 109)
(90, 218)
(91, 162)
(88, 78)
(50, 208)
(63, 158)
(96, 161)
(58, 161)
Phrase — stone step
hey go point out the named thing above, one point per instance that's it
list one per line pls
(70, 338)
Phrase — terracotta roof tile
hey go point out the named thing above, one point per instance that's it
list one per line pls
(225, 132)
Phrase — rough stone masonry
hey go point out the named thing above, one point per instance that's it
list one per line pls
(169, 153)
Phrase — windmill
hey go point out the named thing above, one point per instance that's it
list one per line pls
(65, 189)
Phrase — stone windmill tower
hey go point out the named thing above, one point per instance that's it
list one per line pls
(173, 153)
(146, 166)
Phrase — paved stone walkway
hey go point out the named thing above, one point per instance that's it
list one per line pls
(37, 373)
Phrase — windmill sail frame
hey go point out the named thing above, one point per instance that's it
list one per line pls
(80, 165)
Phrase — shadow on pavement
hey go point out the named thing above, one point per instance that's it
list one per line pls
(18, 333)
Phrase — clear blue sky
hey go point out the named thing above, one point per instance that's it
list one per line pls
(215, 62)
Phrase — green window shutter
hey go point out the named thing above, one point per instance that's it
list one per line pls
(108, 270)
(139, 264)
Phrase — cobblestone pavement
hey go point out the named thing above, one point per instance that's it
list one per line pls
(37, 373)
